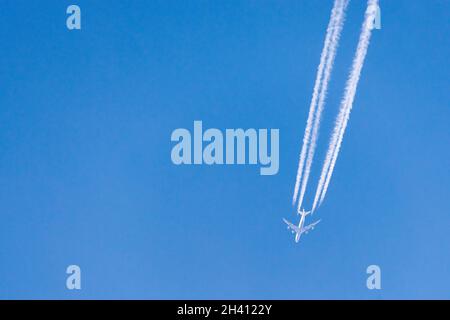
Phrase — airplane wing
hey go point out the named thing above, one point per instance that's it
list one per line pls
(310, 227)
(291, 226)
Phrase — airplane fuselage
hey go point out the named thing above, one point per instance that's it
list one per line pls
(300, 227)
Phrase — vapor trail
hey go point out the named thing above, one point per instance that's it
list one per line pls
(346, 103)
(334, 18)
(323, 92)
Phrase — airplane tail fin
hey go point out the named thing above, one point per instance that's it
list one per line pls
(303, 212)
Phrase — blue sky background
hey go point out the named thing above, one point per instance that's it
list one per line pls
(86, 176)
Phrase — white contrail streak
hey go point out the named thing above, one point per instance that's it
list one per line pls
(346, 103)
(334, 18)
(323, 92)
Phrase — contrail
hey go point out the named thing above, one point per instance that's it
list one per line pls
(346, 103)
(337, 8)
(335, 17)
(323, 92)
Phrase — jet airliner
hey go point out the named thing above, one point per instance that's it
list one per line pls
(300, 229)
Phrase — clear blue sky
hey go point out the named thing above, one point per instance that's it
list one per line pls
(86, 176)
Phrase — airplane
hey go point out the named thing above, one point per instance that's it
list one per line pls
(301, 229)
